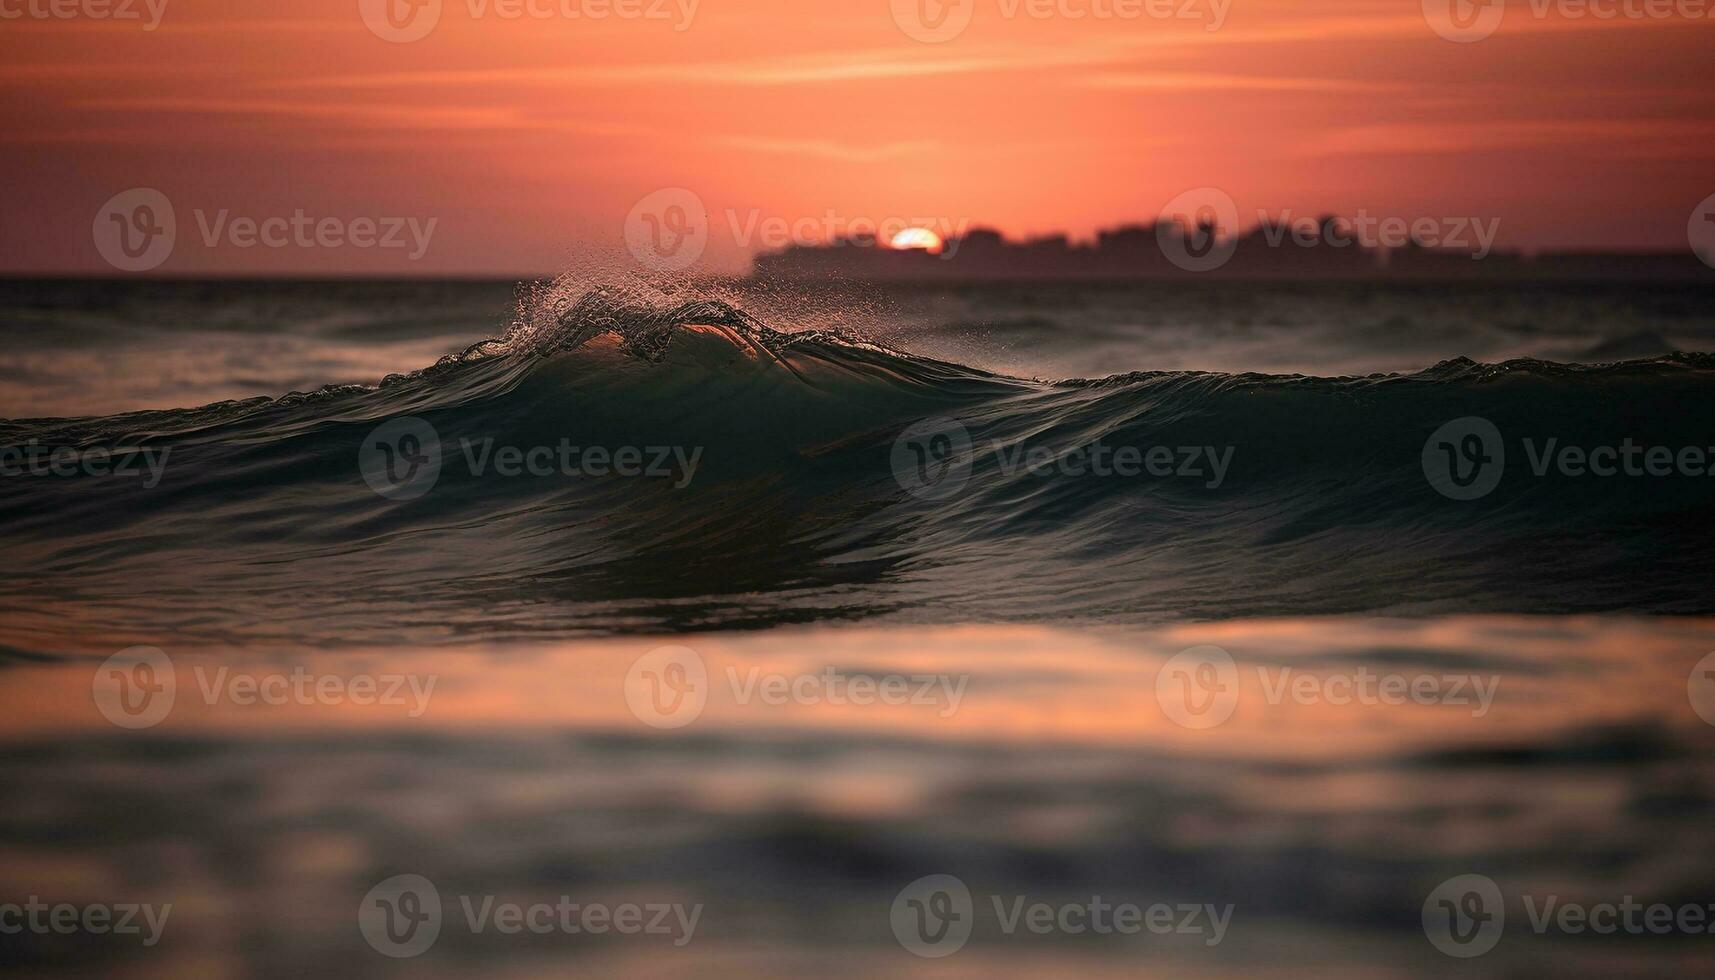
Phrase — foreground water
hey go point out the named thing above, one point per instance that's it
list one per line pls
(1559, 756)
(1299, 654)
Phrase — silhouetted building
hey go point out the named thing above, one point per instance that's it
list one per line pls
(1329, 247)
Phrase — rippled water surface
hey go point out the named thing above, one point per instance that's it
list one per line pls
(1283, 670)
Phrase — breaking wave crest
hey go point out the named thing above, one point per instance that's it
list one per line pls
(792, 490)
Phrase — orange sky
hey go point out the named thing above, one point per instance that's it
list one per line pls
(529, 139)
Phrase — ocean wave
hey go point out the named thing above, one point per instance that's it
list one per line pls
(834, 477)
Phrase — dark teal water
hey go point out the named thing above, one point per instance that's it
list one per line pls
(1047, 493)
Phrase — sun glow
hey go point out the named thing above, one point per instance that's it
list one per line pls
(921, 238)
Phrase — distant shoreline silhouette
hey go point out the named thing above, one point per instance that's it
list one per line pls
(1324, 249)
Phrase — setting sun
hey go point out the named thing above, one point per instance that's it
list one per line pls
(1002, 487)
(917, 238)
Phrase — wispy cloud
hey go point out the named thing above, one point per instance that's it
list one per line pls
(1478, 135)
(788, 70)
(1215, 82)
(387, 115)
(830, 149)
(170, 24)
(1118, 50)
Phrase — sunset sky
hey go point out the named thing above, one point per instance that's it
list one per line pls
(529, 139)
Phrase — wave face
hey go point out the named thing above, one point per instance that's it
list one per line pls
(791, 477)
